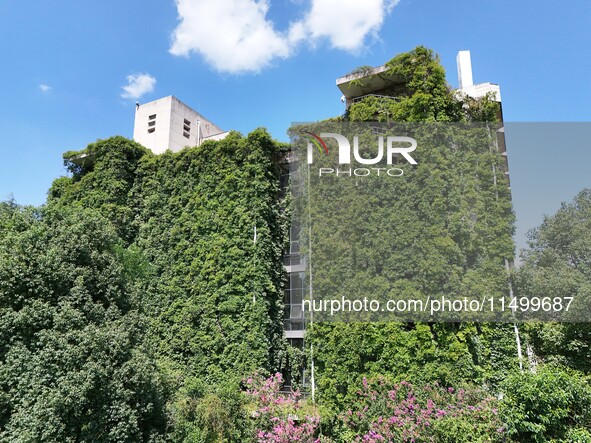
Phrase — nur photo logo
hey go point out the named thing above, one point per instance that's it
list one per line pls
(387, 148)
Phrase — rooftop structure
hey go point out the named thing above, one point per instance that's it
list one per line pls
(376, 81)
(169, 124)
(381, 83)
(466, 83)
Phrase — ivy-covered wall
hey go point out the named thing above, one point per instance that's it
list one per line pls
(449, 227)
(210, 292)
(136, 301)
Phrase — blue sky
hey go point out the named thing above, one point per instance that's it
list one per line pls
(245, 65)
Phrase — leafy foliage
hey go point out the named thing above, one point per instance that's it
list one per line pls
(553, 403)
(280, 417)
(424, 95)
(558, 263)
(400, 412)
(216, 293)
(72, 366)
(173, 280)
(445, 229)
(135, 303)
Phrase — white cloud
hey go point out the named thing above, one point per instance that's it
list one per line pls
(345, 23)
(232, 35)
(236, 36)
(138, 85)
(45, 88)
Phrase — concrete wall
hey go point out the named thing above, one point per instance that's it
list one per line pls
(466, 82)
(176, 126)
(464, 69)
(158, 140)
(481, 89)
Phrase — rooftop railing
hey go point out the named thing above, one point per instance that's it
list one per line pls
(362, 97)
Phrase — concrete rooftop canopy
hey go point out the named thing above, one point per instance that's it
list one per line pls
(375, 79)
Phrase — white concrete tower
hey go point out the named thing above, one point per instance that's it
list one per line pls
(464, 69)
(168, 123)
(466, 83)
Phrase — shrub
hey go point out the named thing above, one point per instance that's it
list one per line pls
(402, 413)
(280, 418)
(554, 403)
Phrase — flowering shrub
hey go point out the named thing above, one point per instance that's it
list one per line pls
(280, 417)
(401, 413)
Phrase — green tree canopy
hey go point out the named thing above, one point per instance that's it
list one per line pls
(558, 263)
(72, 364)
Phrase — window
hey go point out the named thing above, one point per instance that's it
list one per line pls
(294, 291)
(186, 134)
(151, 123)
(150, 130)
(187, 128)
(187, 122)
(293, 299)
(152, 117)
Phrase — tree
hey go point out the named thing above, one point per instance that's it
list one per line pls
(557, 263)
(211, 294)
(72, 364)
(553, 403)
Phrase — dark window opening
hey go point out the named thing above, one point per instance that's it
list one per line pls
(151, 123)
(150, 130)
(152, 117)
(186, 134)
